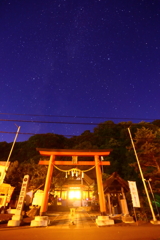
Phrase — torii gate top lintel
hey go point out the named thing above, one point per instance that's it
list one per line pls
(74, 152)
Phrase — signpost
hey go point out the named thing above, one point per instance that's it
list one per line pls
(22, 195)
(16, 219)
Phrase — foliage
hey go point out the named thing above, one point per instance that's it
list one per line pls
(17, 171)
(107, 135)
(147, 142)
(24, 151)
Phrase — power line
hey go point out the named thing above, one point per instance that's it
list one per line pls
(34, 133)
(50, 115)
(37, 121)
(53, 122)
(18, 133)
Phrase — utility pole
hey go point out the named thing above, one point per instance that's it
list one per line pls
(3, 174)
(143, 180)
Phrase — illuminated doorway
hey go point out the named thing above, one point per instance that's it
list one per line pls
(74, 194)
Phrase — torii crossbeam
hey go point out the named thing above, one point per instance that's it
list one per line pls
(96, 153)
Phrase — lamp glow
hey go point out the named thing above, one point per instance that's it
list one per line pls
(74, 194)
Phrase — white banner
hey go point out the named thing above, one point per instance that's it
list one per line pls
(134, 193)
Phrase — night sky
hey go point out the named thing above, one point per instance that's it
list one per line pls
(64, 60)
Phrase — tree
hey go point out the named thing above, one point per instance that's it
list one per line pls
(148, 147)
(147, 144)
(17, 170)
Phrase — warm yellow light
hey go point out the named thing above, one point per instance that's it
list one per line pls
(74, 194)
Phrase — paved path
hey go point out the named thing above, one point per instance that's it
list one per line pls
(65, 220)
(84, 228)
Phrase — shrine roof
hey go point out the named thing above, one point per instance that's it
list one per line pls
(74, 152)
(115, 182)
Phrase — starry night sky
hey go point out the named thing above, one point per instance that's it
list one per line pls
(65, 59)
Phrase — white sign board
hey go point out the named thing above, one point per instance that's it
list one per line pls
(38, 197)
(134, 193)
(22, 195)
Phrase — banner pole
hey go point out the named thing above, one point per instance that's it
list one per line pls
(135, 215)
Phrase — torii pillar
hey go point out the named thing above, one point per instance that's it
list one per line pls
(100, 186)
(47, 186)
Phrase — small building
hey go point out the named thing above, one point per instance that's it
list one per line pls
(114, 189)
(4, 165)
(6, 191)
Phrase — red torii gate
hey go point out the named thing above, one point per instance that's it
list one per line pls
(96, 153)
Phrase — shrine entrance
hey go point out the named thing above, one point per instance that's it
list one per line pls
(74, 189)
(52, 153)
